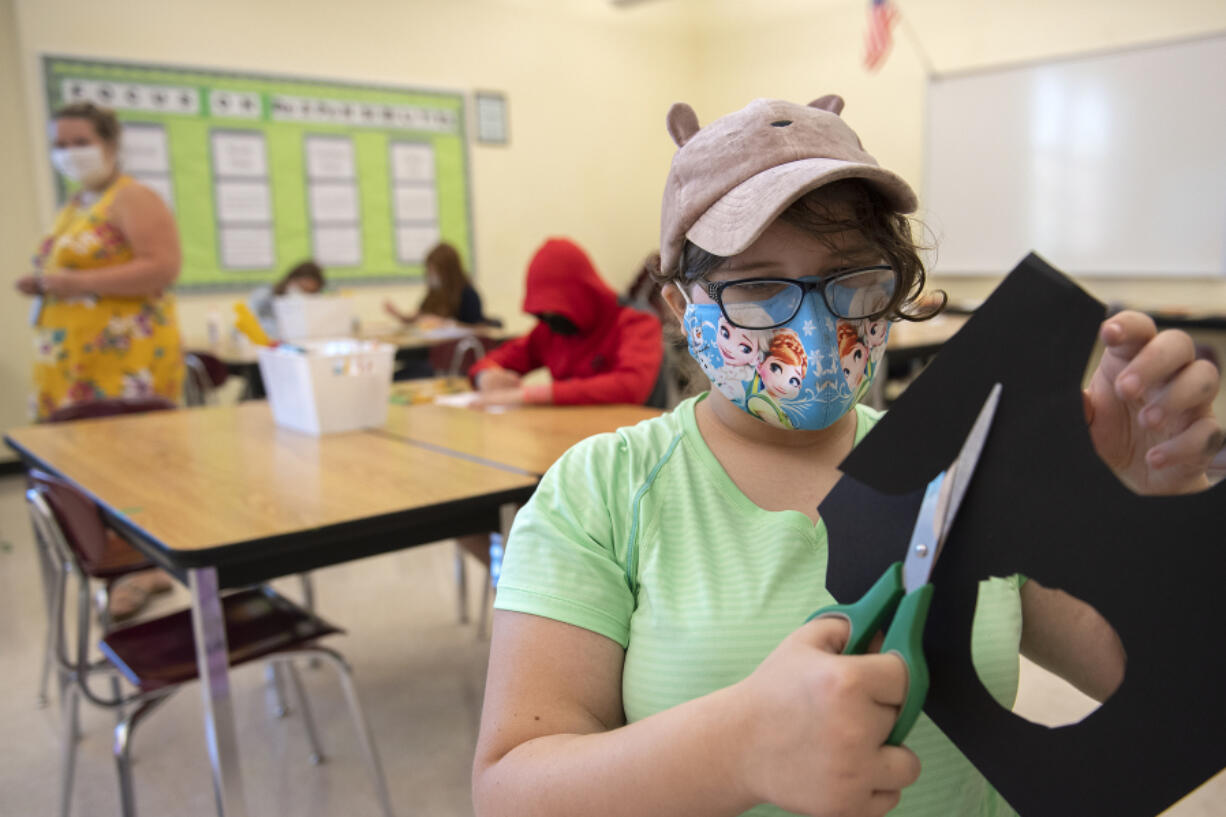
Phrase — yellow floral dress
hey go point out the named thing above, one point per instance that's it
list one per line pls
(95, 347)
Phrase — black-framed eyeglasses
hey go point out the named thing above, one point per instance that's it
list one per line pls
(764, 303)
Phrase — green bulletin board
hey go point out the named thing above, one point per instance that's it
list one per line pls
(263, 172)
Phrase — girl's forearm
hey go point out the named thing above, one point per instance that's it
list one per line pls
(682, 761)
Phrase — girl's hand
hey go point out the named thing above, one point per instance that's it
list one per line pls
(498, 397)
(817, 725)
(497, 379)
(1150, 407)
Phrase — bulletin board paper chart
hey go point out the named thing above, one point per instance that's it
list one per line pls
(263, 171)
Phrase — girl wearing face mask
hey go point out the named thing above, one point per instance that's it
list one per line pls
(304, 278)
(648, 651)
(450, 296)
(105, 325)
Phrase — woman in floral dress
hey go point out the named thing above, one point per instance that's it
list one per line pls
(104, 325)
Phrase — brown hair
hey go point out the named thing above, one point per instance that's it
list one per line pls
(105, 123)
(444, 300)
(305, 269)
(886, 230)
(786, 346)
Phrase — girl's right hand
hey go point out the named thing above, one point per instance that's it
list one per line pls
(817, 725)
(497, 379)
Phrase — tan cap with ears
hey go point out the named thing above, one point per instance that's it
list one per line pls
(731, 179)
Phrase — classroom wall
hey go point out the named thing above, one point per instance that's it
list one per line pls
(588, 84)
(19, 225)
(799, 50)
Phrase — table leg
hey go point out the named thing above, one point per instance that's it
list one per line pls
(212, 661)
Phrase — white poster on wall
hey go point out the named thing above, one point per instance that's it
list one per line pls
(239, 154)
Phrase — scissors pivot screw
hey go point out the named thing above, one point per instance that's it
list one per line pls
(921, 549)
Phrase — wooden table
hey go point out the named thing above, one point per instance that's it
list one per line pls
(222, 497)
(528, 439)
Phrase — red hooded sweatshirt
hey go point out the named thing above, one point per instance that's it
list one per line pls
(615, 357)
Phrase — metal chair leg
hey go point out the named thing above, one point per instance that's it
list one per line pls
(304, 707)
(276, 690)
(55, 590)
(359, 722)
(487, 599)
(68, 756)
(461, 584)
(122, 751)
(105, 624)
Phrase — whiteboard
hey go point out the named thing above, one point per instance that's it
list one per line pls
(1109, 164)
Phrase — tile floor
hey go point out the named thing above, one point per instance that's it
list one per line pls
(420, 675)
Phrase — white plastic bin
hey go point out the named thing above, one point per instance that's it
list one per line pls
(325, 386)
(302, 317)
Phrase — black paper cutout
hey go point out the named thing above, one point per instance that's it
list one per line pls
(1043, 504)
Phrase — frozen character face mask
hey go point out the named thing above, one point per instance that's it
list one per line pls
(803, 374)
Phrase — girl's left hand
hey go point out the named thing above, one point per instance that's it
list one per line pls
(1149, 406)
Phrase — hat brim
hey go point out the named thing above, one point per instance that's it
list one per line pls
(737, 220)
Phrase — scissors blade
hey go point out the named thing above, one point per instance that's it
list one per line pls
(943, 497)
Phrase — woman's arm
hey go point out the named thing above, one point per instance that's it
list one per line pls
(1064, 635)
(391, 309)
(149, 228)
(804, 731)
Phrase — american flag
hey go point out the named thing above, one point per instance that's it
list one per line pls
(877, 41)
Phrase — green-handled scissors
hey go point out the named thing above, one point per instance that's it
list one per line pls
(903, 590)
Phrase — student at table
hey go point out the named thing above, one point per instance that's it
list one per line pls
(648, 655)
(450, 295)
(596, 350)
(304, 278)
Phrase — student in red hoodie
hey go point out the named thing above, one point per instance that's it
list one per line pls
(596, 350)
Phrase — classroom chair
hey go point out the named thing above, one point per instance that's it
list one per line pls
(205, 374)
(455, 357)
(106, 557)
(120, 550)
(157, 656)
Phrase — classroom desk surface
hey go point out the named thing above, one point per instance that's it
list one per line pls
(226, 487)
(528, 438)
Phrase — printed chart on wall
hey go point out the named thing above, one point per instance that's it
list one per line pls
(263, 172)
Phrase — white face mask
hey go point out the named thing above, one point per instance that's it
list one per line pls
(87, 165)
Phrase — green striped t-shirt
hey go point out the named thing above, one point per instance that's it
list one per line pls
(641, 536)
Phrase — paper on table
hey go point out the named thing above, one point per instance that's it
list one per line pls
(464, 399)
